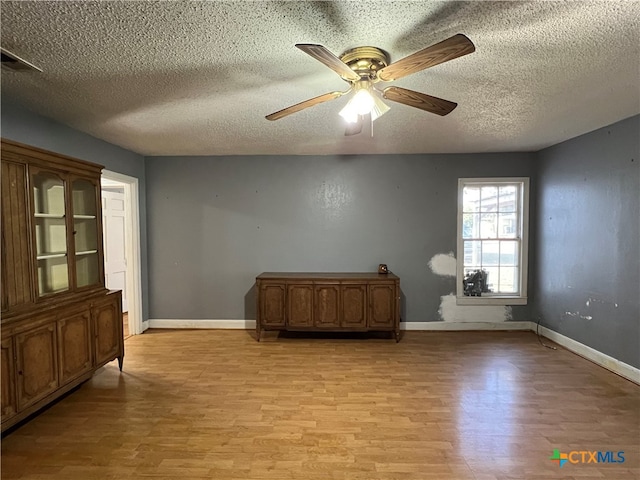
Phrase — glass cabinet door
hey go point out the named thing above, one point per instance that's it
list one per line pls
(50, 232)
(85, 232)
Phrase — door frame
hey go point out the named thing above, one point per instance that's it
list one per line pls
(132, 247)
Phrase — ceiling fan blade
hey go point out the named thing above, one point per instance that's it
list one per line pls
(323, 55)
(354, 128)
(419, 100)
(306, 104)
(452, 47)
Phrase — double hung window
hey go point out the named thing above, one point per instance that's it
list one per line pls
(493, 217)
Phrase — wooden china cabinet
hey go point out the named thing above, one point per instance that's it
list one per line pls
(59, 322)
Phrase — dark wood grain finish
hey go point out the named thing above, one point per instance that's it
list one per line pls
(107, 328)
(342, 277)
(382, 306)
(16, 278)
(300, 305)
(351, 301)
(272, 307)
(74, 345)
(8, 378)
(354, 306)
(53, 339)
(326, 303)
(37, 364)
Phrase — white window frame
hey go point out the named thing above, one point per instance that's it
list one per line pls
(523, 260)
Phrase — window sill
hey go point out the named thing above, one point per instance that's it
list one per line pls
(491, 300)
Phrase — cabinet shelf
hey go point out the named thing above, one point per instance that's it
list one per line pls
(48, 215)
(86, 252)
(47, 256)
(84, 217)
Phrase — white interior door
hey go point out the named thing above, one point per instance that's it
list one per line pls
(115, 259)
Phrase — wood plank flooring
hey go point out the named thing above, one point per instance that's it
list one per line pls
(215, 404)
(125, 325)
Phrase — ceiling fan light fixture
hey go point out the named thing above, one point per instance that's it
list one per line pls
(360, 104)
(363, 67)
(365, 101)
(379, 107)
(349, 115)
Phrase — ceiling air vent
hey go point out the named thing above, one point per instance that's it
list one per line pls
(11, 61)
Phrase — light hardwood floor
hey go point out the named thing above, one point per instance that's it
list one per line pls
(215, 404)
(125, 325)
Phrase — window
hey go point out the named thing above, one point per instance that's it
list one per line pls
(493, 218)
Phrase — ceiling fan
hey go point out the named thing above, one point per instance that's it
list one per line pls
(364, 67)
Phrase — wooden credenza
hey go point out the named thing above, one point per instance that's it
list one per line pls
(341, 302)
(59, 323)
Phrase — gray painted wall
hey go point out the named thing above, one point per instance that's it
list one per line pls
(22, 125)
(587, 267)
(216, 222)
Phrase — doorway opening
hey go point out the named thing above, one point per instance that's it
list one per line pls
(121, 239)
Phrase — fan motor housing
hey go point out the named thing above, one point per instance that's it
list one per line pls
(366, 60)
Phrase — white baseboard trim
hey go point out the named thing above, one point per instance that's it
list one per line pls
(424, 326)
(459, 326)
(212, 324)
(624, 370)
(616, 366)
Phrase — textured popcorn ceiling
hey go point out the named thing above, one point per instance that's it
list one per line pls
(197, 78)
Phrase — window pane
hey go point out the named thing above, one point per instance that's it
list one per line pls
(50, 232)
(470, 225)
(51, 235)
(490, 253)
(508, 201)
(507, 225)
(470, 199)
(508, 253)
(489, 225)
(472, 251)
(489, 200)
(48, 194)
(86, 234)
(87, 269)
(493, 235)
(84, 197)
(508, 280)
(53, 275)
(492, 278)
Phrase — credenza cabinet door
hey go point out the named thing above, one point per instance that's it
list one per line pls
(37, 364)
(272, 304)
(382, 311)
(300, 305)
(326, 302)
(74, 345)
(8, 379)
(354, 306)
(107, 329)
